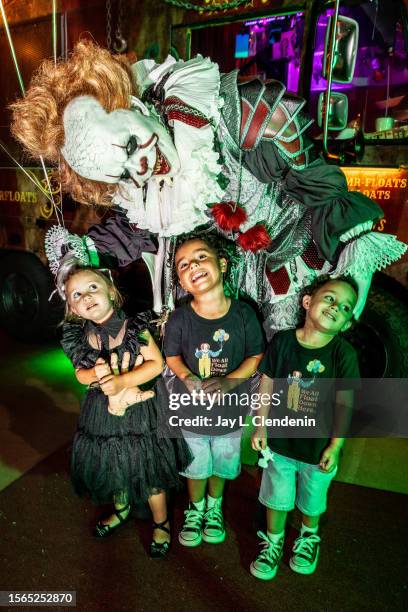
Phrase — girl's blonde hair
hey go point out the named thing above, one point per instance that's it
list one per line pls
(71, 270)
(37, 119)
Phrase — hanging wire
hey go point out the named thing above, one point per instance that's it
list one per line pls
(23, 91)
(58, 207)
(54, 30)
(109, 24)
(28, 173)
(49, 188)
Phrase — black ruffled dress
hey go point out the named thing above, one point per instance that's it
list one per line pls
(116, 455)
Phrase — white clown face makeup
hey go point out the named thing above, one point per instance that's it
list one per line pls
(121, 145)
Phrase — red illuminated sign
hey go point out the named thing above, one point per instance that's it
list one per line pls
(388, 187)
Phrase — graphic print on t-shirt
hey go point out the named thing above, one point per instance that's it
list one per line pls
(208, 362)
(285, 355)
(315, 366)
(298, 394)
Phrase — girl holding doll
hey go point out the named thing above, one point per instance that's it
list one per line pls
(117, 454)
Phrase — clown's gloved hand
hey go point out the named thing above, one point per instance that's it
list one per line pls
(363, 284)
(267, 455)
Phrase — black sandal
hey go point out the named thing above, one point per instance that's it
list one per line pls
(102, 530)
(158, 550)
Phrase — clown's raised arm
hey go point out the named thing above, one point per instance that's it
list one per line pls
(178, 145)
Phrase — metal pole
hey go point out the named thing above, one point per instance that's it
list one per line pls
(329, 70)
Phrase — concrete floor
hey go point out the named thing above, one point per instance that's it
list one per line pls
(45, 530)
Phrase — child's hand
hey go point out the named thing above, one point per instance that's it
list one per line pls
(218, 383)
(111, 385)
(259, 438)
(101, 368)
(192, 382)
(330, 458)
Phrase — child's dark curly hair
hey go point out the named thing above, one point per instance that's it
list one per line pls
(217, 243)
(319, 282)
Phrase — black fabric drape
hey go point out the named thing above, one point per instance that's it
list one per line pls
(322, 188)
(121, 240)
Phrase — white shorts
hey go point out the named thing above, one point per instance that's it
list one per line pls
(286, 482)
(214, 455)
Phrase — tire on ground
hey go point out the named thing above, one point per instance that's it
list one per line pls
(25, 287)
(381, 337)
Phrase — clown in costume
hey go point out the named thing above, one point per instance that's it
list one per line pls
(179, 145)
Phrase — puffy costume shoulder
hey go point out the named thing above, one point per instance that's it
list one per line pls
(75, 345)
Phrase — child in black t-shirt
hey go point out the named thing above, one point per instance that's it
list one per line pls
(212, 344)
(302, 468)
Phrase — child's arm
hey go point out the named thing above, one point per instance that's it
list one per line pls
(259, 437)
(342, 417)
(225, 383)
(151, 367)
(87, 376)
(177, 365)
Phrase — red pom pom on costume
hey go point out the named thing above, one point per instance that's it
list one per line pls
(226, 218)
(255, 238)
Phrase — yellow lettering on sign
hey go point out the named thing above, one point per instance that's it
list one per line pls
(376, 182)
(18, 196)
(381, 225)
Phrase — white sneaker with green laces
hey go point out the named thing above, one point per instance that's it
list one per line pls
(305, 553)
(266, 564)
(214, 530)
(192, 532)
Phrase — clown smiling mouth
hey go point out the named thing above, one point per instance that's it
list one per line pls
(162, 165)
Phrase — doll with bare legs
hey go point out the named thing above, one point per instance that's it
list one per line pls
(119, 402)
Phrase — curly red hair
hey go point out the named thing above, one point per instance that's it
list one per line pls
(37, 119)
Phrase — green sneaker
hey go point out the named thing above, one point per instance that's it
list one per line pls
(305, 553)
(192, 532)
(266, 564)
(214, 530)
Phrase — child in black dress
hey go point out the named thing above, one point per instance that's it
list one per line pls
(119, 458)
